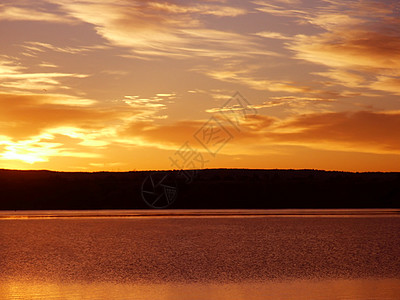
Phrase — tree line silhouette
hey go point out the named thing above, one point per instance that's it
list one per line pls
(211, 188)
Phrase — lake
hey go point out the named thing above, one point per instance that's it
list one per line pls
(192, 254)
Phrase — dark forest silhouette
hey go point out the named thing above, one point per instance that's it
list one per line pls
(212, 188)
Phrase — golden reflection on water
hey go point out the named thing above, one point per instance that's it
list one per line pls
(184, 213)
(277, 290)
(229, 256)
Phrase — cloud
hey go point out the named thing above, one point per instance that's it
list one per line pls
(361, 131)
(280, 9)
(36, 127)
(293, 102)
(358, 41)
(28, 115)
(39, 149)
(296, 104)
(173, 136)
(361, 50)
(332, 20)
(149, 108)
(39, 14)
(35, 81)
(243, 77)
(356, 58)
(172, 95)
(33, 48)
(164, 28)
(8, 65)
(14, 77)
(47, 65)
(272, 35)
(368, 51)
(216, 10)
(387, 84)
(168, 136)
(343, 77)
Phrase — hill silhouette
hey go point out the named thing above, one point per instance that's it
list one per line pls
(211, 188)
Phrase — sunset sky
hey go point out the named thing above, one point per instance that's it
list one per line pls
(120, 85)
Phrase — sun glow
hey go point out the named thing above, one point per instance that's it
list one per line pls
(29, 151)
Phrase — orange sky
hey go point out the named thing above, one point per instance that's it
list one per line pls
(121, 85)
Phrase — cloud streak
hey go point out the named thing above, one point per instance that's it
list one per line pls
(362, 131)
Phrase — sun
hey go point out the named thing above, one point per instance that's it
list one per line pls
(28, 151)
(29, 158)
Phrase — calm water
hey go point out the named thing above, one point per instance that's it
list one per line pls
(192, 255)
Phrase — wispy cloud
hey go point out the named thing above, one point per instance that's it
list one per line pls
(359, 49)
(29, 114)
(280, 8)
(205, 9)
(272, 35)
(149, 108)
(14, 76)
(33, 48)
(22, 11)
(362, 131)
(244, 77)
(167, 29)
